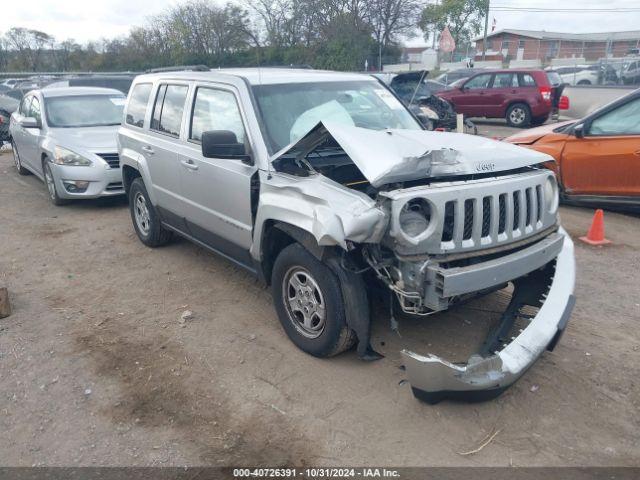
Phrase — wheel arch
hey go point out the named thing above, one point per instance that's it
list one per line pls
(276, 236)
(129, 174)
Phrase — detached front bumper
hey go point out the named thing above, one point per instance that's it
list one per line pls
(103, 181)
(486, 376)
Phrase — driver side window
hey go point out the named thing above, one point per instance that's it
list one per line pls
(481, 81)
(624, 120)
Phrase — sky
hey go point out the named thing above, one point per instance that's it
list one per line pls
(85, 20)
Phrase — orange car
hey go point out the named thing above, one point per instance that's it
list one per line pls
(598, 157)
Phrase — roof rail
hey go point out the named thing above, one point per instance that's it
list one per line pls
(180, 68)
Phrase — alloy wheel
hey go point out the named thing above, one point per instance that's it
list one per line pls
(304, 302)
(517, 115)
(141, 213)
(16, 158)
(51, 186)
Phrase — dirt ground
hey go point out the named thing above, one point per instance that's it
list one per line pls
(96, 368)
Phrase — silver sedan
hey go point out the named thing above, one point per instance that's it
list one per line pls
(67, 137)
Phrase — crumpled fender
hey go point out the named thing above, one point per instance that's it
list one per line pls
(333, 214)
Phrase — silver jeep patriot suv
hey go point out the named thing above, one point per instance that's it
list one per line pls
(326, 187)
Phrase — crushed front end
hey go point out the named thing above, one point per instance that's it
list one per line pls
(451, 241)
(441, 218)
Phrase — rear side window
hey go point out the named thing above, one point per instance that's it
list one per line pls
(505, 80)
(168, 109)
(554, 78)
(527, 80)
(137, 106)
(216, 110)
(481, 81)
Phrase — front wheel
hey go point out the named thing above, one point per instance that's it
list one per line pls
(309, 303)
(51, 185)
(518, 115)
(146, 221)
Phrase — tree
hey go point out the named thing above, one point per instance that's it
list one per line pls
(29, 44)
(463, 17)
(391, 18)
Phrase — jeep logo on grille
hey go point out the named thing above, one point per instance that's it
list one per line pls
(485, 166)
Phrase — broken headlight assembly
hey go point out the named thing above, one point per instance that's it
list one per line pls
(415, 217)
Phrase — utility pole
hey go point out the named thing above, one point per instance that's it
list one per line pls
(486, 27)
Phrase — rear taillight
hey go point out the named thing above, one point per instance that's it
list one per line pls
(563, 104)
(546, 93)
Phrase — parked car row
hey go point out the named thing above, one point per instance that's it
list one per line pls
(325, 187)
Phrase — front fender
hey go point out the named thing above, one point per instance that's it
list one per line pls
(136, 160)
(331, 213)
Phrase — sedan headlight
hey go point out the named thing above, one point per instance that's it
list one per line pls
(62, 156)
(551, 196)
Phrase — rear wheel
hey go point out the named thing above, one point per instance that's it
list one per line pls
(146, 221)
(309, 303)
(518, 115)
(16, 160)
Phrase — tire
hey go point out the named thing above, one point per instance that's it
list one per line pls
(321, 332)
(146, 221)
(584, 82)
(17, 161)
(539, 121)
(49, 182)
(518, 115)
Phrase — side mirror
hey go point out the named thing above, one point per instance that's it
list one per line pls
(578, 130)
(29, 122)
(223, 144)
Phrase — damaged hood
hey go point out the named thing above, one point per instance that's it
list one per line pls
(388, 156)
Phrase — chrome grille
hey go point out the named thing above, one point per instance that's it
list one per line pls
(492, 217)
(475, 214)
(113, 159)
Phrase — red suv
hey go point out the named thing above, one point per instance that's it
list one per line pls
(522, 97)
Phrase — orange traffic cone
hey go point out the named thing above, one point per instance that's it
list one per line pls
(595, 236)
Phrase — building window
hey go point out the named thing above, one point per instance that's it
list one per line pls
(489, 44)
(520, 43)
(505, 45)
(552, 51)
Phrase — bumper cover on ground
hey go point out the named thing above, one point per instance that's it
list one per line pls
(482, 377)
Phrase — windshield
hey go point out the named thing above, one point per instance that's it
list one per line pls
(84, 110)
(290, 110)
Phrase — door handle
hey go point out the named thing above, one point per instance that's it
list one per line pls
(148, 150)
(190, 164)
(637, 153)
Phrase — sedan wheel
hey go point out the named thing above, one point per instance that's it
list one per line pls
(51, 185)
(17, 161)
